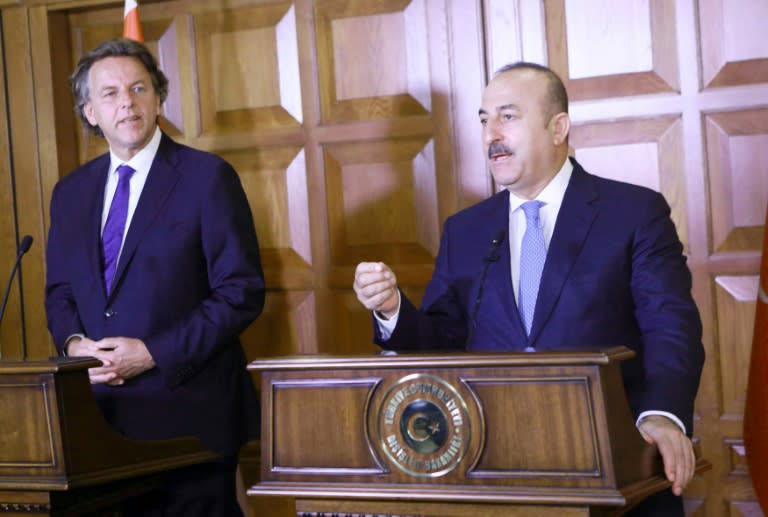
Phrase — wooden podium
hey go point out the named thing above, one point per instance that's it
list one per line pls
(58, 456)
(461, 435)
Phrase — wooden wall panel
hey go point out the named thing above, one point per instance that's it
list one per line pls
(733, 50)
(646, 152)
(353, 125)
(735, 298)
(635, 42)
(372, 59)
(10, 332)
(671, 95)
(382, 202)
(27, 335)
(738, 177)
(239, 57)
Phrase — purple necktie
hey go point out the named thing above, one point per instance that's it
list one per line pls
(112, 236)
(533, 253)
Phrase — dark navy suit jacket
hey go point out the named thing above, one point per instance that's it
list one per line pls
(189, 281)
(614, 275)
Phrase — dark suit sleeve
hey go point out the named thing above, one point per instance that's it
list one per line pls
(441, 324)
(61, 311)
(669, 322)
(236, 284)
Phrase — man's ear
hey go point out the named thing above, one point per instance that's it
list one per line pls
(88, 112)
(560, 125)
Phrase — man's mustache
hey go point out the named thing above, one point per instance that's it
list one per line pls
(498, 148)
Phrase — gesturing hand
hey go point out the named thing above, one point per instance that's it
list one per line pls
(376, 288)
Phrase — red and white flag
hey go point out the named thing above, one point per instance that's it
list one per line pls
(131, 22)
(756, 410)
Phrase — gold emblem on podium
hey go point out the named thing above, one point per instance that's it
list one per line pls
(424, 426)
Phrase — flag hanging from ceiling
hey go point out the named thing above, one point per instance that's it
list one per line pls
(756, 409)
(131, 22)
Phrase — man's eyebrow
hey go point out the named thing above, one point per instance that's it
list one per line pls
(503, 107)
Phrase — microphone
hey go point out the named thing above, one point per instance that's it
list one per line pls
(493, 256)
(24, 246)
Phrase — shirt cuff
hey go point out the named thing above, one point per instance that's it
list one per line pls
(662, 413)
(66, 343)
(387, 327)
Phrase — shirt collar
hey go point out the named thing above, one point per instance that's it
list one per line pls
(142, 160)
(553, 193)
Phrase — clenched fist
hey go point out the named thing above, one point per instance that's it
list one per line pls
(376, 288)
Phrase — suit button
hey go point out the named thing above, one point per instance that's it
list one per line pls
(109, 313)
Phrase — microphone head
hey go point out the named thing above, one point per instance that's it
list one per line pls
(499, 237)
(25, 244)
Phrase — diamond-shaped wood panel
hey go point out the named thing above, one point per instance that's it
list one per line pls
(738, 460)
(248, 69)
(733, 43)
(287, 326)
(646, 152)
(275, 181)
(737, 158)
(382, 201)
(373, 59)
(735, 298)
(634, 39)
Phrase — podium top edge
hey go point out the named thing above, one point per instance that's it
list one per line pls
(51, 365)
(458, 359)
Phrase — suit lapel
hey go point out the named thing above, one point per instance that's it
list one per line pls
(500, 299)
(161, 179)
(94, 189)
(574, 221)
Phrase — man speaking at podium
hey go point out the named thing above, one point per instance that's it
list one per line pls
(559, 260)
(154, 269)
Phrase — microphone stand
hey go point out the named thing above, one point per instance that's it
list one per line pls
(26, 242)
(491, 257)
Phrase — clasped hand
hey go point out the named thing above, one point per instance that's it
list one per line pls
(121, 358)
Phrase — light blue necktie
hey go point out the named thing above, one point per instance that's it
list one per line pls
(112, 236)
(533, 253)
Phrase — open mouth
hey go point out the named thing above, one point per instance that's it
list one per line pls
(498, 157)
(130, 120)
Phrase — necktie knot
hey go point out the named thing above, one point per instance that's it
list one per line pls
(124, 172)
(531, 209)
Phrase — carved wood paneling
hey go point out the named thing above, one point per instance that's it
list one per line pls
(301, 95)
(10, 333)
(635, 42)
(733, 46)
(275, 182)
(372, 57)
(646, 152)
(738, 174)
(735, 297)
(248, 69)
(285, 327)
(306, 405)
(382, 201)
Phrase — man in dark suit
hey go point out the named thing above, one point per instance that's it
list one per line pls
(610, 271)
(154, 269)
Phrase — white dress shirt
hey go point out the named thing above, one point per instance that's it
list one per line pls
(141, 163)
